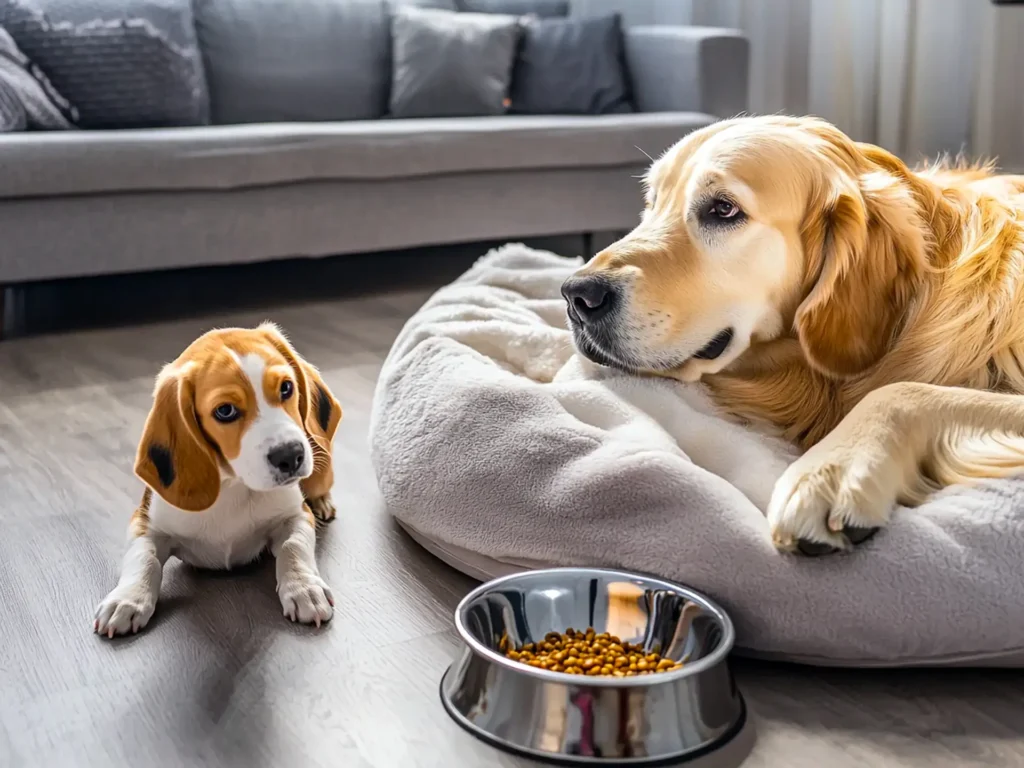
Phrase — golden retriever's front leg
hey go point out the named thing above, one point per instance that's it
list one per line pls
(899, 444)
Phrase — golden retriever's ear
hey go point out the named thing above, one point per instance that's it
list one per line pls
(174, 458)
(320, 410)
(864, 254)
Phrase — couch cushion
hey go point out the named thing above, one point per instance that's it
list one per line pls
(231, 157)
(121, 63)
(447, 64)
(269, 61)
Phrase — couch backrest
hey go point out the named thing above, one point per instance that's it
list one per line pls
(285, 60)
(310, 60)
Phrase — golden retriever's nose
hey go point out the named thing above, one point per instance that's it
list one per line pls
(589, 297)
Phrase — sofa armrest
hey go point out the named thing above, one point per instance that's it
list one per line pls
(688, 69)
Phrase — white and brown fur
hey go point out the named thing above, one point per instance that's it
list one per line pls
(877, 312)
(236, 457)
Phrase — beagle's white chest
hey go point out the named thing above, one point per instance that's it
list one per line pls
(233, 532)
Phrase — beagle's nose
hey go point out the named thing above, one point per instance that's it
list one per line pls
(589, 297)
(287, 458)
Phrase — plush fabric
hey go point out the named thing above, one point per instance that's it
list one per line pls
(27, 99)
(122, 63)
(275, 60)
(545, 9)
(571, 66)
(447, 64)
(488, 435)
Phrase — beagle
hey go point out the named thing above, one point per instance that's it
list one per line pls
(236, 457)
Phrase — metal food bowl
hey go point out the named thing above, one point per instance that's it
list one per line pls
(556, 717)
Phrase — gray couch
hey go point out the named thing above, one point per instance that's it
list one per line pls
(93, 202)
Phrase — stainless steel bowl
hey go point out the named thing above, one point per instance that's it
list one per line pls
(556, 717)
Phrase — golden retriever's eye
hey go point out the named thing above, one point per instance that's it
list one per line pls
(287, 388)
(225, 413)
(723, 209)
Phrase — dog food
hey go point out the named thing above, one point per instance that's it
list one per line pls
(590, 653)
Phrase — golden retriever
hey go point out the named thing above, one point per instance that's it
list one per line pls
(872, 314)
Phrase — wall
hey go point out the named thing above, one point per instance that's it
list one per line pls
(919, 77)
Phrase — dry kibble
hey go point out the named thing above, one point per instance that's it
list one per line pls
(588, 652)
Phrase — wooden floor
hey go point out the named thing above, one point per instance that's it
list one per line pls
(220, 678)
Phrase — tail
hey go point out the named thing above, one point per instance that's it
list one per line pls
(962, 457)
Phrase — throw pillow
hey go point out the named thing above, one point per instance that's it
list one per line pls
(122, 63)
(27, 99)
(12, 111)
(447, 64)
(544, 9)
(279, 60)
(571, 66)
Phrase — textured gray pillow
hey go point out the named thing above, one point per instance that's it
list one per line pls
(571, 66)
(447, 64)
(27, 99)
(544, 9)
(12, 111)
(122, 63)
(282, 60)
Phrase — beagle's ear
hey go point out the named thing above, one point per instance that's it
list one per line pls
(320, 410)
(864, 254)
(174, 458)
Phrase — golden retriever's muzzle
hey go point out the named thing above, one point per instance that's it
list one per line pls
(592, 303)
(594, 306)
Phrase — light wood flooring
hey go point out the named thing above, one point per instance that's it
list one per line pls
(220, 678)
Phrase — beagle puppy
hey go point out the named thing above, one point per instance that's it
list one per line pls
(236, 457)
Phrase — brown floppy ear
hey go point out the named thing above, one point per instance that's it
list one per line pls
(321, 414)
(864, 253)
(174, 458)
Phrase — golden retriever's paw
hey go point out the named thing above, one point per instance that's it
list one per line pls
(322, 508)
(832, 498)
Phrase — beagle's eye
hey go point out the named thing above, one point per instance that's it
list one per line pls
(724, 210)
(287, 388)
(225, 413)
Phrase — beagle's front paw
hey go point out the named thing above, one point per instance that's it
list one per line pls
(306, 599)
(835, 496)
(124, 610)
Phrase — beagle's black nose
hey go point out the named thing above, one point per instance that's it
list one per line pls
(589, 298)
(287, 458)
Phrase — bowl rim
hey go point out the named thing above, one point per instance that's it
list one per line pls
(717, 656)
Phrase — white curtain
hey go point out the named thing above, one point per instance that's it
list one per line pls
(919, 77)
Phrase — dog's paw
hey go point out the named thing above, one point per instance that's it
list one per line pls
(835, 496)
(124, 610)
(307, 600)
(322, 508)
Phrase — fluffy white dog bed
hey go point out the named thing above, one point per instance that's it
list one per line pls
(498, 448)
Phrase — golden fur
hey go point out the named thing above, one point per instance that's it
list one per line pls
(846, 272)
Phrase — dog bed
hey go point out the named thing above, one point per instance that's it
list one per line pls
(499, 449)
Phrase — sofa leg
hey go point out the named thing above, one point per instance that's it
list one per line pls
(10, 311)
(588, 246)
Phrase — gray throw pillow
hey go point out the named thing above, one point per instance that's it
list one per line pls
(27, 98)
(571, 67)
(12, 111)
(544, 9)
(284, 61)
(122, 63)
(447, 64)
